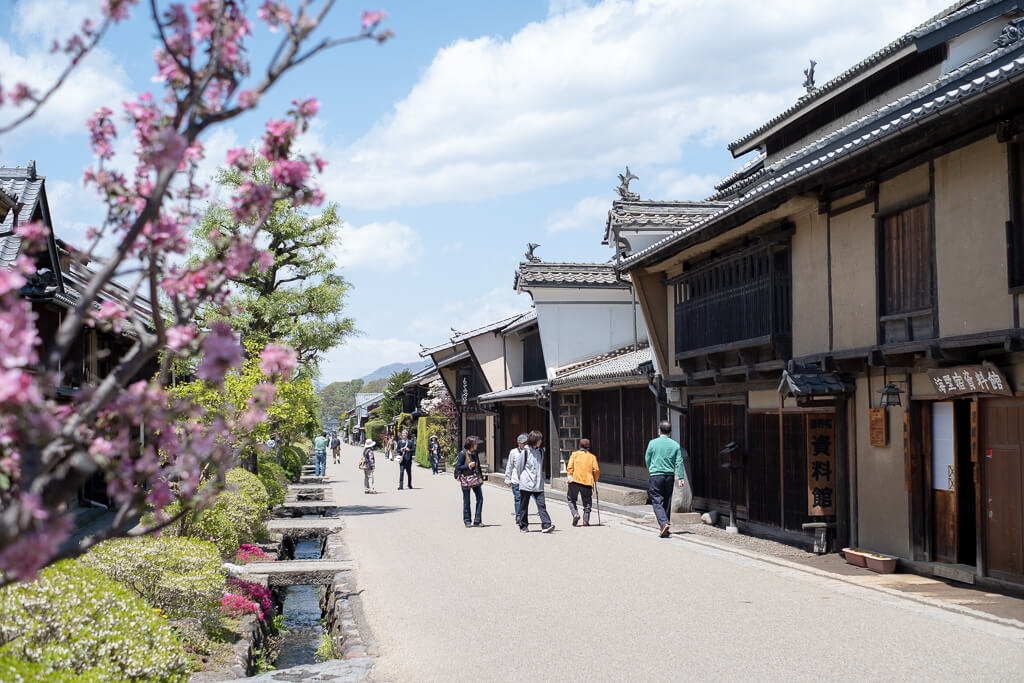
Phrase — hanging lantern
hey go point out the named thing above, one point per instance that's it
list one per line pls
(890, 395)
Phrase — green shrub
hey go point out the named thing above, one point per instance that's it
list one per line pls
(375, 429)
(238, 516)
(274, 480)
(15, 670)
(181, 576)
(73, 619)
(426, 427)
(292, 460)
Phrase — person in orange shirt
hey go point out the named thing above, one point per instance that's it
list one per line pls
(583, 474)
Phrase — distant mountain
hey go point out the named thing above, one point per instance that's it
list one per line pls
(388, 370)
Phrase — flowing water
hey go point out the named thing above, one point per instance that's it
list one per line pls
(301, 616)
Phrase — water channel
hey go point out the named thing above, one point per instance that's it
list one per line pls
(301, 612)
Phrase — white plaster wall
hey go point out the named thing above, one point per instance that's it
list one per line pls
(489, 352)
(977, 41)
(597, 322)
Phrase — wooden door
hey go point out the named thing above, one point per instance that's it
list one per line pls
(712, 426)
(1003, 488)
(602, 424)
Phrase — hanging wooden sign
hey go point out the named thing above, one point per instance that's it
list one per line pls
(970, 379)
(821, 465)
(878, 424)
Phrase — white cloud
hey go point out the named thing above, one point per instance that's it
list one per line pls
(591, 88)
(382, 246)
(467, 313)
(674, 184)
(588, 213)
(362, 355)
(53, 19)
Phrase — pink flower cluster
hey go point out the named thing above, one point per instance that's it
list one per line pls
(256, 594)
(247, 552)
(238, 605)
(277, 360)
(221, 352)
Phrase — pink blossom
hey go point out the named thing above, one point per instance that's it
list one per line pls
(247, 99)
(168, 149)
(274, 14)
(180, 336)
(291, 173)
(264, 260)
(221, 352)
(239, 606)
(276, 359)
(27, 555)
(373, 17)
(307, 108)
(239, 157)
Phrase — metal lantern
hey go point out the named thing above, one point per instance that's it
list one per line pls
(890, 395)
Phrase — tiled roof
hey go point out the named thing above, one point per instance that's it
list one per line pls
(453, 359)
(606, 368)
(744, 171)
(575, 275)
(806, 382)
(431, 350)
(24, 186)
(958, 86)
(956, 11)
(652, 214)
(490, 327)
(525, 320)
(520, 393)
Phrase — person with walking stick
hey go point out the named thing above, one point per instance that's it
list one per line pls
(583, 473)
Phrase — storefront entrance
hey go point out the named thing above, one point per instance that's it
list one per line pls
(1002, 432)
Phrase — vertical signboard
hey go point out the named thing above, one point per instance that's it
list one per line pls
(821, 465)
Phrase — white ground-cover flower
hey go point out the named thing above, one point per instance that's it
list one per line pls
(73, 618)
(181, 576)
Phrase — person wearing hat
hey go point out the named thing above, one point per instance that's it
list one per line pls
(434, 447)
(405, 449)
(512, 471)
(367, 466)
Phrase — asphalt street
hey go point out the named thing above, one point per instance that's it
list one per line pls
(616, 603)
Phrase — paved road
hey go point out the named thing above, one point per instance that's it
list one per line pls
(615, 603)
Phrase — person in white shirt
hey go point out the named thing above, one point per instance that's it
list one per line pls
(511, 472)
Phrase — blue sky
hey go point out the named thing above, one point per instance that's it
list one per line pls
(482, 126)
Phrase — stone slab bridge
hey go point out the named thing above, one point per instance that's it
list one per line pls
(295, 572)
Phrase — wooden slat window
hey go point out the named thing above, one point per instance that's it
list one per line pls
(907, 275)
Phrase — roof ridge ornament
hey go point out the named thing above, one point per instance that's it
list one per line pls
(530, 257)
(809, 78)
(1012, 32)
(623, 188)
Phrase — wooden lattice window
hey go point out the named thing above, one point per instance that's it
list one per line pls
(907, 287)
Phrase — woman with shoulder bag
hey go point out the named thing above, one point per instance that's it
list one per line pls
(367, 464)
(467, 470)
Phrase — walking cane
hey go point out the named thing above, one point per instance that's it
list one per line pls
(598, 499)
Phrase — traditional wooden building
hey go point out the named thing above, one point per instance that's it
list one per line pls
(851, 317)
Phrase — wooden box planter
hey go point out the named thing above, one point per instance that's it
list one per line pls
(881, 564)
(855, 557)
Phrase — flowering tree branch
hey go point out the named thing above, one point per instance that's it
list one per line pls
(151, 447)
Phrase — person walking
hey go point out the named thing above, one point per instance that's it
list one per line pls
(405, 449)
(664, 460)
(512, 472)
(583, 473)
(320, 453)
(434, 448)
(367, 465)
(336, 448)
(467, 470)
(531, 483)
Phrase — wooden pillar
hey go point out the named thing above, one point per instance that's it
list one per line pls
(842, 488)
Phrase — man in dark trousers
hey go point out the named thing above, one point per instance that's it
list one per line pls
(406, 449)
(664, 460)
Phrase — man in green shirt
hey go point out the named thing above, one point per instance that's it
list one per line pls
(664, 460)
(320, 452)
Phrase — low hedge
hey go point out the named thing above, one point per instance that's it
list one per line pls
(292, 460)
(274, 480)
(375, 430)
(431, 425)
(181, 576)
(74, 620)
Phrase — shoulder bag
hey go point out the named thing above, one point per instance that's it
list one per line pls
(471, 480)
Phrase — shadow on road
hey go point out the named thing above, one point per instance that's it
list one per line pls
(354, 510)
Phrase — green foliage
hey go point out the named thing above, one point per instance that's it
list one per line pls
(181, 576)
(292, 460)
(74, 620)
(338, 398)
(391, 405)
(374, 386)
(300, 298)
(375, 429)
(238, 516)
(325, 650)
(17, 670)
(274, 480)
(427, 427)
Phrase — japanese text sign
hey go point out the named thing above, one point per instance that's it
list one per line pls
(821, 465)
(970, 379)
